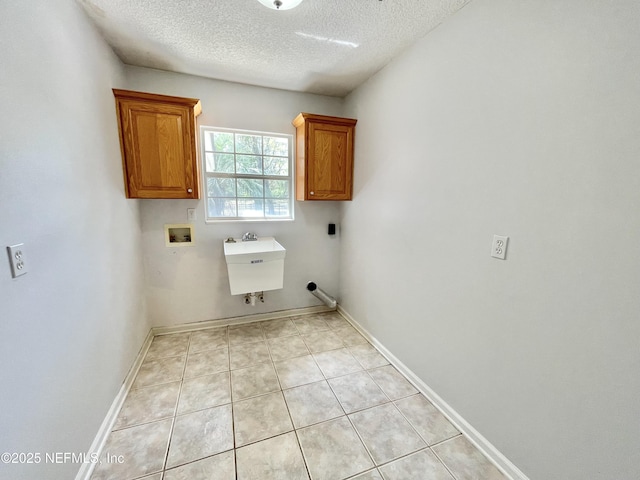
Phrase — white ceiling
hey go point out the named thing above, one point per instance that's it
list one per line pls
(322, 46)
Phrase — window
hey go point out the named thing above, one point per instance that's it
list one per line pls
(248, 175)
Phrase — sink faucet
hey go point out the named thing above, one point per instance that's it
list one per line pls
(248, 237)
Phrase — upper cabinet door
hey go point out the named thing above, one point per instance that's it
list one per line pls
(324, 157)
(158, 140)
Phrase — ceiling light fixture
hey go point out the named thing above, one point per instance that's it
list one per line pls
(280, 4)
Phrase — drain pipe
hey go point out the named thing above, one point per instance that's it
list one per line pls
(322, 295)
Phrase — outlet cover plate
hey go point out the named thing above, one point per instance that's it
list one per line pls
(17, 260)
(499, 247)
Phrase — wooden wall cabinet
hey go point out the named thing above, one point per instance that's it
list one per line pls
(158, 139)
(324, 157)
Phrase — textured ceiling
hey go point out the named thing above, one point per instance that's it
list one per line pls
(322, 46)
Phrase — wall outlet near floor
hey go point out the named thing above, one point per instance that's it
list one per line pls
(499, 247)
(17, 260)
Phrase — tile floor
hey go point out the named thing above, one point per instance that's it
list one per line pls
(290, 399)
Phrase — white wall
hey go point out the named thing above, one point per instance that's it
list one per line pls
(517, 118)
(190, 284)
(71, 327)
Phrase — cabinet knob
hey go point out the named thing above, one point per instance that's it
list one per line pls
(312, 193)
(189, 190)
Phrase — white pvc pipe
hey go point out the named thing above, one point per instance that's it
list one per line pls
(328, 300)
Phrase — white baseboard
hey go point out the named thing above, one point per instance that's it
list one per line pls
(481, 443)
(86, 469)
(223, 322)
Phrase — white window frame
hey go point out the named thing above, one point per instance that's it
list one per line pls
(206, 175)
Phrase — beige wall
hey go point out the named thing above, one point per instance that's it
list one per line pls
(515, 118)
(190, 284)
(71, 327)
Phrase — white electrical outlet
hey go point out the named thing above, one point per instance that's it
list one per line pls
(191, 214)
(499, 247)
(17, 260)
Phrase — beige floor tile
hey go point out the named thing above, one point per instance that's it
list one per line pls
(277, 458)
(322, 341)
(253, 381)
(168, 346)
(204, 392)
(333, 450)
(407, 467)
(334, 320)
(282, 327)
(337, 362)
(465, 461)
(148, 404)
(350, 336)
(386, 433)
(357, 391)
(392, 382)
(313, 403)
(161, 370)
(200, 434)
(248, 354)
(209, 339)
(248, 333)
(217, 467)
(432, 425)
(229, 398)
(207, 362)
(261, 417)
(142, 450)
(371, 475)
(287, 347)
(298, 371)
(363, 348)
(310, 324)
(368, 356)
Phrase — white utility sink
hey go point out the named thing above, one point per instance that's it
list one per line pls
(254, 266)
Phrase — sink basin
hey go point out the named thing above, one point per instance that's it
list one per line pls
(265, 248)
(254, 266)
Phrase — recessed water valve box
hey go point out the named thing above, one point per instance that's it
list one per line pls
(179, 235)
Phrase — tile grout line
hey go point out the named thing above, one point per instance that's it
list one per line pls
(428, 447)
(271, 361)
(423, 449)
(295, 430)
(281, 391)
(411, 423)
(175, 414)
(443, 462)
(494, 456)
(373, 461)
(231, 400)
(360, 409)
(264, 394)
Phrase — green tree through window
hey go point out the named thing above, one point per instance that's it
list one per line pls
(248, 175)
